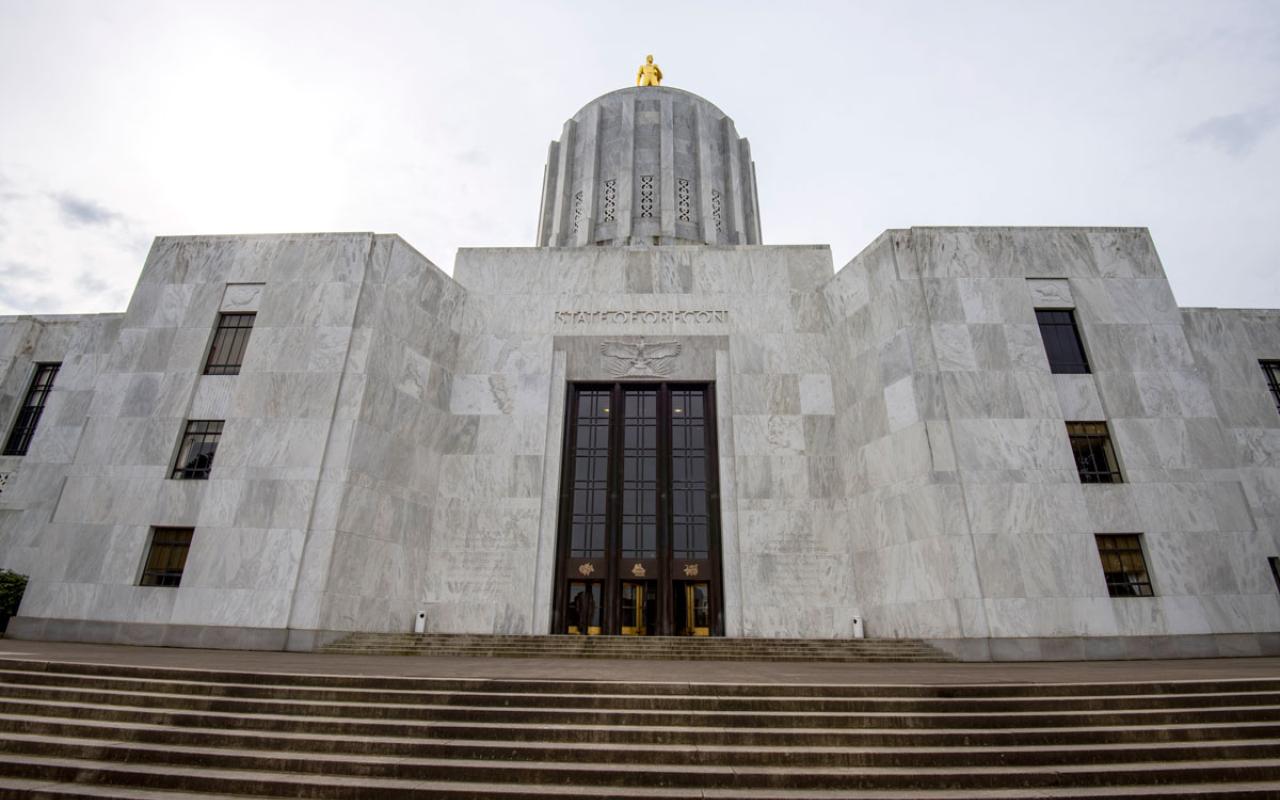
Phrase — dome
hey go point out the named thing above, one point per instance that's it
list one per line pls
(649, 165)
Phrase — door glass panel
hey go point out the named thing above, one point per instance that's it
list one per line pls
(590, 474)
(693, 609)
(639, 608)
(640, 475)
(691, 522)
(584, 608)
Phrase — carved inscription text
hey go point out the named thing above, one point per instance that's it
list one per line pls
(699, 317)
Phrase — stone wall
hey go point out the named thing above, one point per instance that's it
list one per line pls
(252, 517)
(533, 321)
(892, 442)
(367, 561)
(901, 518)
(995, 429)
(32, 483)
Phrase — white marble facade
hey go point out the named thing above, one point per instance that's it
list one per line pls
(892, 443)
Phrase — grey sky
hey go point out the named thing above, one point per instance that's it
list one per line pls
(120, 121)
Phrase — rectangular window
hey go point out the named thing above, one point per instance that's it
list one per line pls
(1123, 565)
(1062, 341)
(195, 455)
(1095, 457)
(24, 427)
(229, 341)
(1272, 370)
(167, 556)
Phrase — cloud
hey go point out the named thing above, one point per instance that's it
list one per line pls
(78, 211)
(1236, 134)
(92, 285)
(14, 270)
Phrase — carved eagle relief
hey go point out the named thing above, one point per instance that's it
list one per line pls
(639, 360)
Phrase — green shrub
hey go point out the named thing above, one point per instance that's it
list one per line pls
(12, 585)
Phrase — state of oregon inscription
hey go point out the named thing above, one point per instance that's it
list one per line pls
(698, 316)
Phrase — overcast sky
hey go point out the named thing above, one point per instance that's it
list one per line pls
(121, 121)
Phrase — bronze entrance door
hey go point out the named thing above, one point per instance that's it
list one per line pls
(638, 550)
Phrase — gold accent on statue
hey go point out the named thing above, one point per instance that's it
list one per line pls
(649, 74)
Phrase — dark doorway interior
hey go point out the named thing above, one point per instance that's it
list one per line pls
(638, 550)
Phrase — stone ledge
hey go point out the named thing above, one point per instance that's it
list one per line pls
(149, 634)
(1112, 648)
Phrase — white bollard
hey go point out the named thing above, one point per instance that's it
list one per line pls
(857, 627)
(420, 624)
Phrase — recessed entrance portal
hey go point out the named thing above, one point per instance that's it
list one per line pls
(638, 551)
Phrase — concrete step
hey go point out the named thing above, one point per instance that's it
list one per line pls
(45, 790)
(70, 730)
(1194, 730)
(11, 696)
(80, 669)
(651, 647)
(30, 684)
(41, 736)
(273, 774)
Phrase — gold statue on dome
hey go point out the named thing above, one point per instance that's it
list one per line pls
(649, 74)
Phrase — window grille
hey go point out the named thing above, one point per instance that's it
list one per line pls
(1123, 565)
(716, 211)
(1272, 370)
(577, 212)
(229, 341)
(24, 427)
(1062, 341)
(684, 205)
(195, 454)
(610, 199)
(167, 556)
(646, 197)
(1094, 453)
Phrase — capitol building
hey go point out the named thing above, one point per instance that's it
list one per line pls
(1010, 442)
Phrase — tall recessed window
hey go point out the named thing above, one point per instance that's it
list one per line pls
(1274, 562)
(24, 427)
(1272, 370)
(166, 557)
(590, 475)
(195, 454)
(1123, 565)
(229, 341)
(1062, 341)
(1095, 456)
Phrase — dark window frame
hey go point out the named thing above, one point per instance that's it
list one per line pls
(204, 434)
(1124, 564)
(1271, 368)
(230, 340)
(1094, 452)
(166, 557)
(1063, 344)
(32, 408)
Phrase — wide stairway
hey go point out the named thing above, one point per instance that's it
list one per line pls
(90, 731)
(683, 648)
